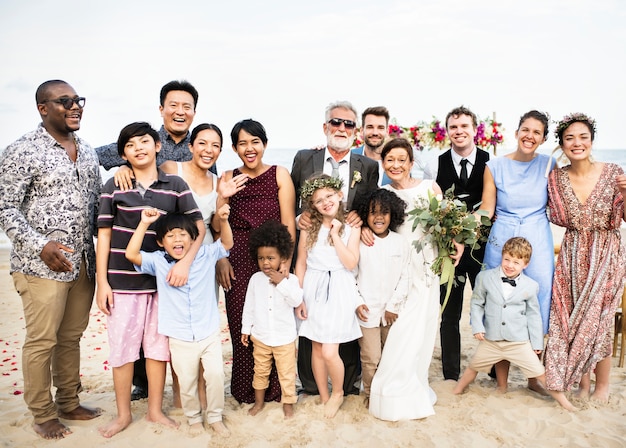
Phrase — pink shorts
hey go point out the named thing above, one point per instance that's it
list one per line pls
(134, 322)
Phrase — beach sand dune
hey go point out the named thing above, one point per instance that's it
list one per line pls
(478, 418)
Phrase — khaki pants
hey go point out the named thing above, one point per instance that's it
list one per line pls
(372, 343)
(285, 358)
(56, 315)
(186, 360)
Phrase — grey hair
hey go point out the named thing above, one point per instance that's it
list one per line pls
(341, 105)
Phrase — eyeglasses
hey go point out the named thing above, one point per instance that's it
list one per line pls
(336, 122)
(68, 102)
(325, 199)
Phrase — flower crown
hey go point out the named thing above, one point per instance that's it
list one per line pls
(573, 118)
(310, 186)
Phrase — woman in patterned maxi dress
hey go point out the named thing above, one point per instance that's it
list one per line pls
(587, 198)
(268, 195)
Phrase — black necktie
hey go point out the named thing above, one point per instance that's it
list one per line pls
(510, 281)
(463, 175)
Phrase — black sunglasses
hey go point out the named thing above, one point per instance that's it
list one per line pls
(336, 122)
(67, 102)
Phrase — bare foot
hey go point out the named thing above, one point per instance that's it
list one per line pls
(254, 410)
(196, 429)
(220, 429)
(332, 405)
(501, 390)
(366, 402)
(536, 386)
(458, 390)
(600, 395)
(288, 410)
(81, 413)
(52, 429)
(562, 400)
(114, 426)
(581, 394)
(161, 419)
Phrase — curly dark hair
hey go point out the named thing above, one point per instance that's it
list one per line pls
(388, 202)
(271, 234)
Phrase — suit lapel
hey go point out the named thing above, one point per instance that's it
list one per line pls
(318, 162)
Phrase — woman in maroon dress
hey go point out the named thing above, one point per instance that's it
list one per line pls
(268, 195)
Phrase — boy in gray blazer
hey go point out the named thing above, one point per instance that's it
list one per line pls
(505, 318)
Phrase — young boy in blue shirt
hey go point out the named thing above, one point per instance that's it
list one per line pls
(505, 318)
(129, 299)
(188, 314)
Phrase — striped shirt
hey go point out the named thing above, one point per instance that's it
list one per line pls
(121, 211)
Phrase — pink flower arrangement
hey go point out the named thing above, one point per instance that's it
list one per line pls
(433, 135)
(488, 134)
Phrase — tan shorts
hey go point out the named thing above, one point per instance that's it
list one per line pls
(521, 354)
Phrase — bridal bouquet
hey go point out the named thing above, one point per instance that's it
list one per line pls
(445, 221)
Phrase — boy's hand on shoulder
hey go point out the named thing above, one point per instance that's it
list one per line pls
(123, 178)
(304, 223)
(353, 219)
(480, 336)
(245, 339)
(149, 215)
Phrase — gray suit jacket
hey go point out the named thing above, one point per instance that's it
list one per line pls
(515, 319)
(311, 161)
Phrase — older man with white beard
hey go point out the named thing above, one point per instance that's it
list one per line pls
(360, 177)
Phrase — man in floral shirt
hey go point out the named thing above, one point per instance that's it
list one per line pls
(49, 189)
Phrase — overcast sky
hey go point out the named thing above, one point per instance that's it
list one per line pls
(282, 62)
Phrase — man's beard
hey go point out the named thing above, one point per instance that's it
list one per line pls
(375, 148)
(339, 144)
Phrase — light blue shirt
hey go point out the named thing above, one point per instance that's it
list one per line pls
(188, 313)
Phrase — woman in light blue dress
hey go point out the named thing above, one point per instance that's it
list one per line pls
(515, 193)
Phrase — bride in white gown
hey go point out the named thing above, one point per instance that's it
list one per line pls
(400, 389)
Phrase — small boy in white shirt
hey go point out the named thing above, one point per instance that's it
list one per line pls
(268, 318)
(382, 279)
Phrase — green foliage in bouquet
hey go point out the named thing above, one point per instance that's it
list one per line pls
(445, 221)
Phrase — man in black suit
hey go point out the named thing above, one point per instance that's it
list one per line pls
(360, 176)
(462, 166)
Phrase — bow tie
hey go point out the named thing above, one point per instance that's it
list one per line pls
(510, 281)
(170, 259)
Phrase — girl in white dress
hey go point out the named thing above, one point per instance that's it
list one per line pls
(328, 254)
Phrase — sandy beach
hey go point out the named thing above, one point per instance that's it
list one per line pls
(479, 418)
